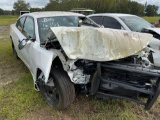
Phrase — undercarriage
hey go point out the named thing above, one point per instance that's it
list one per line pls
(112, 80)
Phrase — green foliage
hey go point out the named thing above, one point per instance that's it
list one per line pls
(136, 9)
(151, 10)
(5, 12)
(35, 9)
(1, 11)
(20, 5)
(100, 6)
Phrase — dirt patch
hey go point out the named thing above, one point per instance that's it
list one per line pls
(4, 28)
(9, 66)
(4, 32)
(10, 72)
(44, 114)
(47, 113)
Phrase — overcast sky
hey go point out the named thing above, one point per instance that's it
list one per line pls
(152, 2)
(8, 4)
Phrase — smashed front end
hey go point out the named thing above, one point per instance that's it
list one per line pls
(108, 63)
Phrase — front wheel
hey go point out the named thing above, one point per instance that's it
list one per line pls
(59, 91)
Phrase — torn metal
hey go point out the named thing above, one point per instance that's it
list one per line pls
(76, 75)
(99, 44)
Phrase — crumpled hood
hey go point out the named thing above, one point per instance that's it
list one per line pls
(99, 44)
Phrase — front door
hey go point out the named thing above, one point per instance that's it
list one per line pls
(28, 32)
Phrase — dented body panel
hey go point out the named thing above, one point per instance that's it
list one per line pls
(99, 44)
(154, 44)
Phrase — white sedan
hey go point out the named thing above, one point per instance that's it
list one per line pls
(131, 23)
(65, 51)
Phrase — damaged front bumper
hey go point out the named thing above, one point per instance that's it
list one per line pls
(132, 83)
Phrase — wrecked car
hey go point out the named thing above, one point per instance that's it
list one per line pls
(131, 23)
(66, 51)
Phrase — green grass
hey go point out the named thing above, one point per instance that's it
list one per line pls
(7, 20)
(151, 19)
(19, 100)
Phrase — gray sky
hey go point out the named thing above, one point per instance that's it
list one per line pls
(8, 4)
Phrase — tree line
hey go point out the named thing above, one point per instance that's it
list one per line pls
(100, 6)
(6, 12)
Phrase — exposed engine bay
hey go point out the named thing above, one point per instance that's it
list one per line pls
(131, 78)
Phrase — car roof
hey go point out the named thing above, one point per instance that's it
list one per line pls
(52, 13)
(111, 14)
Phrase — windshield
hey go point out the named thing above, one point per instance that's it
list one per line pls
(65, 21)
(135, 23)
(45, 23)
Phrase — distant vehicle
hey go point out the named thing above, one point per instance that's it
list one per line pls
(24, 12)
(131, 23)
(65, 50)
(83, 11)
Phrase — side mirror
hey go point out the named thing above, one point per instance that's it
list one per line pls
(22, 44)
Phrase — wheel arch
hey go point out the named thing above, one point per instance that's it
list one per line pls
(56, 63)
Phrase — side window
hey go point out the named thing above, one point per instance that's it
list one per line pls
(109, 22)
(29, 29)
(20, 23)
(97, 19)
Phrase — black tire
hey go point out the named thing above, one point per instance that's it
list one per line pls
(62, 93)
(14, 51)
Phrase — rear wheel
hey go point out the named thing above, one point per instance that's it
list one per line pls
(59, 91)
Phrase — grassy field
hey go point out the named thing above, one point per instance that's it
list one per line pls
(151, 19)
(7, 20)
(19, 100)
